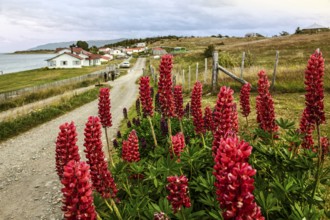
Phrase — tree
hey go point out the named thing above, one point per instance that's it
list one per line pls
(82, 44)
(208, 52)
(298, 31)
(284, 33)
(93, 49)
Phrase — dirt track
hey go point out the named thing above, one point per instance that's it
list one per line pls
(29, 186)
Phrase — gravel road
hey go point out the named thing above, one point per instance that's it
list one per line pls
(29, 186)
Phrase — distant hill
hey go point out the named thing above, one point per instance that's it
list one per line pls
(98, 43)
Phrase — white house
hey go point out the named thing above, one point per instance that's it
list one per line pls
(65, 60)
(62, 50)
(141, 44)
(105, 50)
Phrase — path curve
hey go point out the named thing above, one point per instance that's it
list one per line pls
(29, 186)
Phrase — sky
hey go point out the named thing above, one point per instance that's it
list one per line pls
(28, 23)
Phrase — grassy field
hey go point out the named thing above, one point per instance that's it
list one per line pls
(294, 51)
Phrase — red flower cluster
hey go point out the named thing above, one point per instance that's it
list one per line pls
(306, 129)
(160, 216)
(314, 89)
(145, 96)
(265, 105)
(178, 144)
(130, 148)
(208, 119)
(166, 99)
(223, 112)
(244, 99)
(66, 147)
(77, 192)
(102, 179)
(234, 182)
(178, 192)
(178, 102)
(104, 107)
(196, 108)
(325, 144)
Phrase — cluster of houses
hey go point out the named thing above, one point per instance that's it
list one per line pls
(76, 57)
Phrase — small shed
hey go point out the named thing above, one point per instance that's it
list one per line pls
(314, 28)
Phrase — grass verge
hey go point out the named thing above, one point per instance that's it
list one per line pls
(16, 126)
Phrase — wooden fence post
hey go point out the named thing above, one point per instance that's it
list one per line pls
(205, 71)
(242, 65)
(215, 71)
(196, 72)
(189, 78)
(183, 79)
(275, 68)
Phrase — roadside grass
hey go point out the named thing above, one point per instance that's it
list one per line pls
(16, 126)
(43, 94)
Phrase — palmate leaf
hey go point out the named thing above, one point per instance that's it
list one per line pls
(285, 123)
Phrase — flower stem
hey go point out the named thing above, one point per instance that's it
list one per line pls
(202, 135)
(109, 149)
(170, 133)
(319, 162)
(181, 126)
(114, 206)
(153, 131)
(182, 214)
(247, 121)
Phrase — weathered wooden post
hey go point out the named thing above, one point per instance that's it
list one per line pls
(183, 79)
(189, 78)
(196, 72)
(275, 68)
(215, 71)
(242, 65)
(205, 71)
(174, 80)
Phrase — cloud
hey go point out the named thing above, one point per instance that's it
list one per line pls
(38, 21)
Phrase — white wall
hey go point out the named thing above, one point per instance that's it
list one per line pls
(64, 51)
(64, 61)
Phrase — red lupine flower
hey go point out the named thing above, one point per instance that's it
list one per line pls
(178, 102)
(196, 108)
(208, 119)
(244, 99)
(223, 112)
(145, 96)
(325, 144)
(77, 192)
(104, 107)
(235, 119)
(314, 89)
(234, 180)
(265, 105)
(102, 179)
(160, 216)
(166, 99)
(178, 192)
(178, 144)
(66, 147)
(306, 129)
(130, 148)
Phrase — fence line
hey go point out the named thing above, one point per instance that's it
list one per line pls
(12, 94)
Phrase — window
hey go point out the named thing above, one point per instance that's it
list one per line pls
(76, 63)
(52, 63)
(64, 63)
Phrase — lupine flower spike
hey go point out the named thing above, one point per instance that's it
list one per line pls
(178, 144)
(208, 119)
(102, 179)
(234, 180)
(223, 115)
(178, 192)
(130, 148)
(66, 147)
(265, 105)
(196, 109)
(244, 99)
(105, 115)
(166, 98)
(77, 192)
(146, 100)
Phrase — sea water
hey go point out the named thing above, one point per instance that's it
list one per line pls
(11, 63)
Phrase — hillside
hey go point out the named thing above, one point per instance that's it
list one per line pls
(53, 46)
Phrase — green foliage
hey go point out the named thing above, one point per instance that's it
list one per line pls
(208, 52)
(82, 44)
(21, 124)
(227, 60)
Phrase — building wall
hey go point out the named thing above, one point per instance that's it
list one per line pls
(64, 61)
